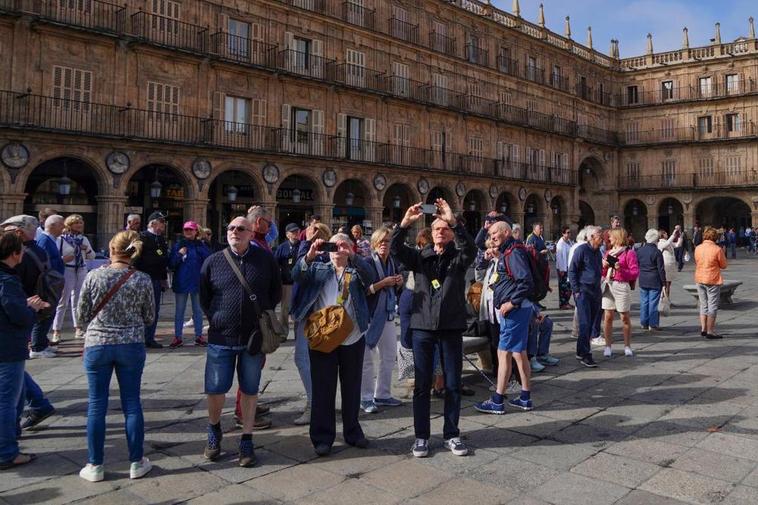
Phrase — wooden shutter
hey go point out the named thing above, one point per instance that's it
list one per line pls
(286, 133)
(289, 45)
(341, 135)
(218, 106)
(317, 61)
(370, 137)
(317, 129)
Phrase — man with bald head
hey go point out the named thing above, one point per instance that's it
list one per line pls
(438, 317)
(234, 338)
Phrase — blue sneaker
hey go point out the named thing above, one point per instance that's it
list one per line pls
(213, 449)
(521, 404)
(548, 360)
(387, 402)
(247, 454)
(369, 407)
(490, 407)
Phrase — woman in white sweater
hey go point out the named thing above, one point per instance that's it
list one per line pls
(666, 246)
(75, 249)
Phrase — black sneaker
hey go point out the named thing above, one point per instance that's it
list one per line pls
(589, 362)
(579, 357)
(703, 333)
(247, 454)
(33, 419)
(153, 345)
(213, 448)
(713, 336)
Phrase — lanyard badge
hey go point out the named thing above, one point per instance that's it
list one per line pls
(436, 284)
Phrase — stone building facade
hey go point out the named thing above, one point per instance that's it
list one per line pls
(354, 109)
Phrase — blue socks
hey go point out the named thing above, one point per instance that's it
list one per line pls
(498, 398)
(525, 395)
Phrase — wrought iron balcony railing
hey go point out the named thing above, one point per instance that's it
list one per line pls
(705, 179)
(404, 30)
(243, 50)
(170, 32)
(92, 14)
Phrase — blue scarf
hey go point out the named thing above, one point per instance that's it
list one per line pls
(76, 242)
(385, 306)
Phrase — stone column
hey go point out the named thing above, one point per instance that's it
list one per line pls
(110, 218)
(325, 210)
(689, 219)
(11, 204)
(518, 218)
(196, 210)
(374, 214)
(652, 220)
(754, 215)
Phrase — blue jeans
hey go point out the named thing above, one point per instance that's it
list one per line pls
(540, 334)
(39, 334)
(99, 362)
(220, 363)
(34, 397)
(451, 351)
(588, 303)
(11, 385)
(197, 313)
(649, 299)
(150, 330)
(302, 359)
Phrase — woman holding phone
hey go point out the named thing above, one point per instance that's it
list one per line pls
(620, 270)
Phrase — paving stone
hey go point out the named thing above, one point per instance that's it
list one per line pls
(573, 489)
(742, 495)
(234, 494)
(687, 486)
(46, 467)
(716, 465)
(348, 493)
(617, 469)
(555, 454)
(294, 482)
(638, 497)
(467, 491)
(406, 479)
(521, 475)
(733, 445)
(651, 451)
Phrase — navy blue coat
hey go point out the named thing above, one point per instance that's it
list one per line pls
(586, 269)
(187, 268)
(16, 319)
(516, 287)
(652, 273)
(286, 255)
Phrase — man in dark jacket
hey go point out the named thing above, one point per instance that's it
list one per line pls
(154, 262)
(652, 279)
(286, 255)
(234, 338)
(585, 273)
(511, 289)
(438, 317)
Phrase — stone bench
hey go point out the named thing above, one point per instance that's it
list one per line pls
(727, 290)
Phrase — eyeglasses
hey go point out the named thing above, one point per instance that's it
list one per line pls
(236, 228)
(189, 229)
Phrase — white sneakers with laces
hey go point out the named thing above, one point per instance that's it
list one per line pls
(140, 468)
(92, 473)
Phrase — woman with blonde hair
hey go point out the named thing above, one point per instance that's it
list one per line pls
(620, 270)
(381, 337)
(710, 260)
(75, 249)
(116, 304)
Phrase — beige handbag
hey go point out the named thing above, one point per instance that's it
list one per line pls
(327, 328)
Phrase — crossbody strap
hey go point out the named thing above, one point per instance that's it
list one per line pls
(114, 289)
(243, 281)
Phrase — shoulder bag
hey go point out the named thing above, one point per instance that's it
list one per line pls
(272, 331)
(111, 292)
(327, 328)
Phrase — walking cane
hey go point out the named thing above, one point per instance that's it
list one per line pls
(480, 371)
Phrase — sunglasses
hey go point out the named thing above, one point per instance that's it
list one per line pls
(236, 228)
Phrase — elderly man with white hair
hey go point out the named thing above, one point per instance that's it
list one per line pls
(585, 274)
(652, 280)
(48, 241)
(133, 222)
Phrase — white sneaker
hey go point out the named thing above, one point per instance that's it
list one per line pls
(607, 352)
(188, 324)
(420, 448)
(55, 338)
(628, 352)
(535, 365)
(92, 473)
(140, 468)
(456, 446)
(513, 387)
(598, 341)
(305, 417)
(46, 353)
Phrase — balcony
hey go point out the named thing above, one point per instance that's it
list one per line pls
(508, 65)
(559, 81)
(10, 6)
(304, 64)
(477, 104)
(356, 14)
(688, 93)
(357, 76)
(170, 32)
(535, 173)
(243, 50)
(442, 44)
(310, 5)
(404, 30)
(477, 55)
(687, 134)
(597, 134)
(704, 180)
(92, 14)
(42, 113)
(534, 74)
(402, 87)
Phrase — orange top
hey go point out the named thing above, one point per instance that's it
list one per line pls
(709, 261)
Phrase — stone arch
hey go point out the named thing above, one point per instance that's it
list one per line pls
(476, 203)
(229, 192)
(586, 214)
(100, 173)
(396, 199)
(730, 211)
(441, 191)
(188, 181)
(590, 174)
(319, 197)
(670, 214)
(231, 166)
(636, 218)
(559, 214)
(505, 203)
(534, 210)
(352, 200)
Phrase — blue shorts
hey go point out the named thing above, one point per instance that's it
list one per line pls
(220, 364)
(514, 329)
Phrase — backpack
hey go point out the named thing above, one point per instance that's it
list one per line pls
(49, 285)
(539, 286)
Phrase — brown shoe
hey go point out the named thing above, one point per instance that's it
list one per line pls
(261, 424)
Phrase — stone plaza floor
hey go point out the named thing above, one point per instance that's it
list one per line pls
(678, 423)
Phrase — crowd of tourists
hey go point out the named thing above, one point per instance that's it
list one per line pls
(340, 293)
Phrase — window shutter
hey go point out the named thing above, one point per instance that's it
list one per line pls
(57, 81)
(223, 23)
(217, 108)
(256, 32)
(317, 63)
(370, 137)
(341, 135)
(289, 45)
(318, 130)
(286, 134)
(515, 153)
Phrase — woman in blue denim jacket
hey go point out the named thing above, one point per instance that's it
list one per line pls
(320, 286)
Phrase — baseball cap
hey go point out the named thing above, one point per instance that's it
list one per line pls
(190, 225)
(156, 216)
(23, 221)
(292, 227)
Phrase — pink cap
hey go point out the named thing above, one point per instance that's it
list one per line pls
(190, 225)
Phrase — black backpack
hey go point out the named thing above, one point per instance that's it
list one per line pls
(539, 286)
(49, 285)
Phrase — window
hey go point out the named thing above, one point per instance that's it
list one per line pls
(473, 51)
(476, 151)
(583, 88)
(632, 132)
(632, 95)
(733, 166)
(239, 35)
(732, 84)
(162, 101)
(438, 147)
(705, 86)
(504, 62)
(667, 90)
(167, 16)
(73, 86)
(705, 166)
(78, 7)
(633, 170)
(355, 13)
(355, 68)
(301, 129)
(401, 85)
(556, 77)
(531, 68)
(439, 36)
(302, 54)
(704, 125)
(669, 172)
(667, 128)
(401, 139)
(236, 114)
(439, 89)
(505, 97)
(733, 123)
(401, 24)
(355, 133)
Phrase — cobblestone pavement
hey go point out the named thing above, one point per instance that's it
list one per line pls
(675, 424)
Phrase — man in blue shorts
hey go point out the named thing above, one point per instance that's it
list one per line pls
(511, 288)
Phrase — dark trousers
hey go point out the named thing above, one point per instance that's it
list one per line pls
(679, 255)
(346, 361)
(39, 334)
(451, 352)
(588, 309)
(150, 330)
(493, 335)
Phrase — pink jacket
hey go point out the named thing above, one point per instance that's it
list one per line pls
(627, 269)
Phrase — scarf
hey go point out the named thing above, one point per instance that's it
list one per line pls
(75, 241)
(259, 239)
(385, 305)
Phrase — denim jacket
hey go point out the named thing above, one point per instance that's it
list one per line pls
(312, 278)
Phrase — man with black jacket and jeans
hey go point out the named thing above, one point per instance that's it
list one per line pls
(234, 338)
(286, 256)
(585, 273)
(154, 262)
(438, 316)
